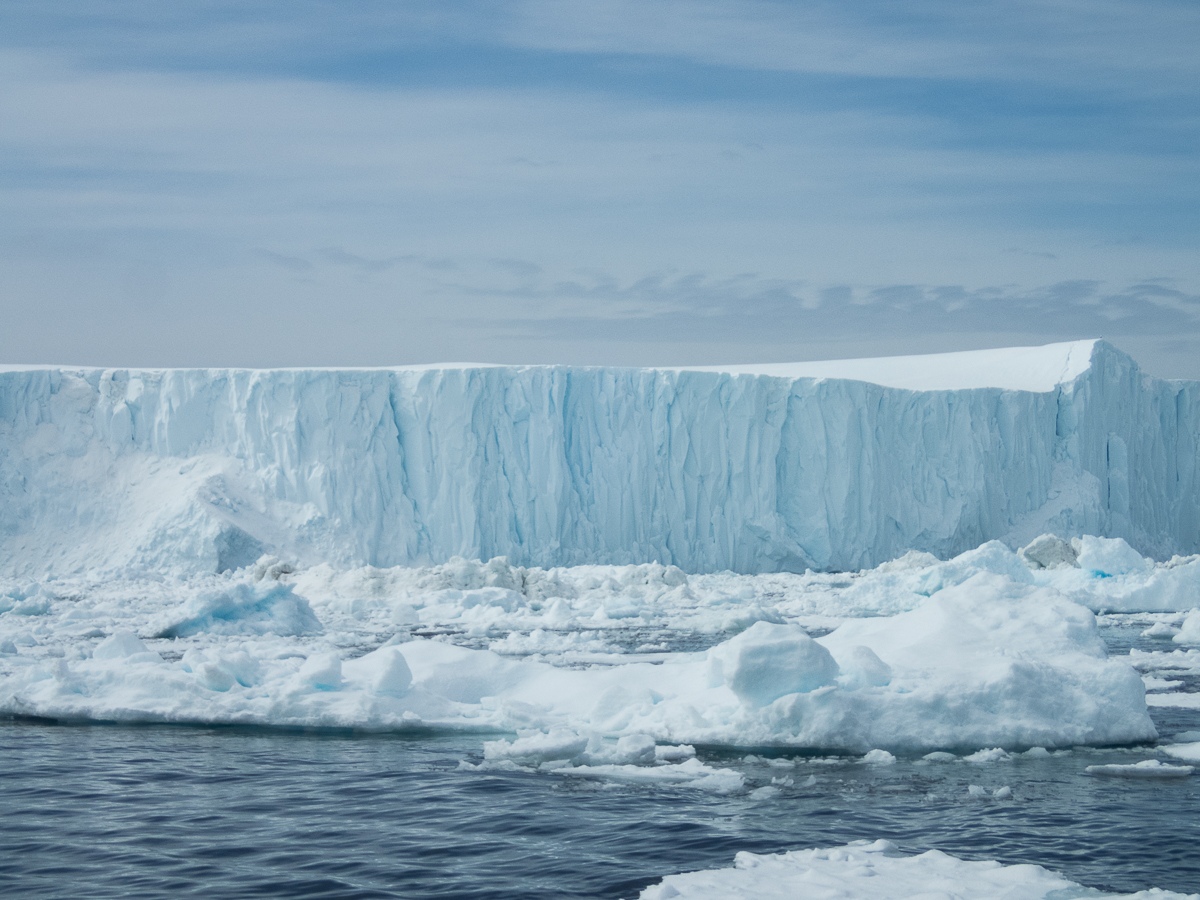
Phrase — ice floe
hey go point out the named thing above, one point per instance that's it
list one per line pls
(1149, 768)
(877, 870)
(1189, 752)
(1180, 699)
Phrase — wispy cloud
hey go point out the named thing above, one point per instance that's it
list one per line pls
(1061, 41)
(381, 181)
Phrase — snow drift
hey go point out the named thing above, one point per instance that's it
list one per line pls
(764, 470)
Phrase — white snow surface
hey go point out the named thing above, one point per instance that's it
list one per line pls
(978, 653)
(876, 870)
(829, 466)
(1034, 369)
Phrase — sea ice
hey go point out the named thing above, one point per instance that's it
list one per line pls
(969, 654)
(864, 870)
(987, 662)
(1180, 699)
(1149, 768)
(1188, 752)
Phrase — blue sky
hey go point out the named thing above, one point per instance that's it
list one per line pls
(613, 182)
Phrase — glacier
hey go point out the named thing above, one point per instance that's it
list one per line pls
(831, 466)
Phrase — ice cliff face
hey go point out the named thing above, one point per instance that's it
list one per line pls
(201, 469)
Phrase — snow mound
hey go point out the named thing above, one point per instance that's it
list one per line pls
(864, 870)
(767, 662)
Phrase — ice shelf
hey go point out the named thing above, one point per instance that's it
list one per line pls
(836, 466)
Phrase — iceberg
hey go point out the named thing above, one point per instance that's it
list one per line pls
(777, 468)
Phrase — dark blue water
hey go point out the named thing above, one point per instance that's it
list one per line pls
(104, 811)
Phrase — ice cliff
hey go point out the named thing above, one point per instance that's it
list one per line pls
(824, 465)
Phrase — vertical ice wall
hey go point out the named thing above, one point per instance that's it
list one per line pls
(198, 470)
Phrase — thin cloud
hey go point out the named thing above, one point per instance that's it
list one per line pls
(389, 182)
(285, 261)
(696, 308)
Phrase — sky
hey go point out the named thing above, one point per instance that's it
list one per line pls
(603, 183)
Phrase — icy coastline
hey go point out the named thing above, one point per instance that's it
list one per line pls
(829, 466)
(836, 559)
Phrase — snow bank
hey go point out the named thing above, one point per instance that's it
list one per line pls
(189, 471)
(877, 871)
(989, 662)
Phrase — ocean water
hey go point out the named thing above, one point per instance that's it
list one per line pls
(102, 811)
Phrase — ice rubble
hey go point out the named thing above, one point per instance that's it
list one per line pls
(981, 656)
(865, 870)
(611, 671)
(766, 469)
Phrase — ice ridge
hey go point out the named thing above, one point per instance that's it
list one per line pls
(194, 470)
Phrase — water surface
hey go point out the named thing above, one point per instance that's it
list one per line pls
(103, 811)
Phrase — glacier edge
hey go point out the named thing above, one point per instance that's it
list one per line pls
(195, 470)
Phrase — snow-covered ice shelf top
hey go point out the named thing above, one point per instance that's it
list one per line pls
(1037, 369)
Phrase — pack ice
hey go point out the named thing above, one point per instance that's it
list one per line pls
(829, 466)
(980, 651)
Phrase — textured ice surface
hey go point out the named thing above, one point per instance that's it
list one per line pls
(592, 667)
(876, 871)
(192, 471)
